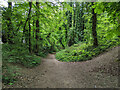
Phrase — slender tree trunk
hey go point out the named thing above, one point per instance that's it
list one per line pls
(9, 24)
(4, 32)
(118, 19)
(77, 18)
(70, 42)
(94, 22)
(37, 27)
(82, 20)
(74, 16)
(74, 31)
(67, 28)
(25, 31)
(33, 28)
(70, 16)
(65, 25)
(30, 5)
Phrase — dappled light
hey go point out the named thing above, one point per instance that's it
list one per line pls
(60, 44)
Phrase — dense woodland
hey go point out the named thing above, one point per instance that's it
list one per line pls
(75, 31)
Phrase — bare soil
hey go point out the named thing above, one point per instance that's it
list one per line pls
(100, 72)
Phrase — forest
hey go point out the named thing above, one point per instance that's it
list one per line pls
(72, 31)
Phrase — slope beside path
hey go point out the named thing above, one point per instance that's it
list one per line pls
(100, 72)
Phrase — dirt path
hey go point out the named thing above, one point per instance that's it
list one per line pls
(100, 72)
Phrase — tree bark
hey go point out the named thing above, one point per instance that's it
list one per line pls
(70, 16)
(25, 31)
(9, 24)
(30, 5)
(118, 19)
(70, 24)
(94, 23)
(37, 27)
(74, 9)
(82, 20)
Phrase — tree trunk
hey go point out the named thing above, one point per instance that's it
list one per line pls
(70, 42)
(9, 24)
(70, 16)
(118, 19)
(30, 5)
(94, 22)
(82, 20)
(74, 9)
(33, 28)
(67, 27)
(25, 31)
(37, 27)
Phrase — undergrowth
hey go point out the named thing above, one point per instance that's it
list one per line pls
(16, 54)
(19, 54)
(9, 75)
(83, 51)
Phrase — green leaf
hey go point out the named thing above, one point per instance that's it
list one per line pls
(10, 83)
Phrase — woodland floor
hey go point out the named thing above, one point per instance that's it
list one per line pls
(100, 72)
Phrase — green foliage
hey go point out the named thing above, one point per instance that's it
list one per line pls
(9, 75)
(16, 54)
(19, 54)
(112, 10)
(60, 25)
(82, 51)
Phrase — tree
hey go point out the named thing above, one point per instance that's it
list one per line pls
(30, 5)
(112, 11)
(37, 27)
(26, 32)
(94, 23)
(70, 25)
(9, 24)
(82, 21)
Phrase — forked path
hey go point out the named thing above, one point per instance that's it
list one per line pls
(100, 72)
